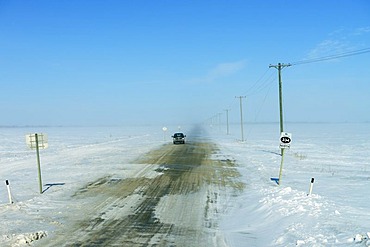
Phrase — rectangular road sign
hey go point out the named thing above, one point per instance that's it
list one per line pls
(42, 140)
(285, 140)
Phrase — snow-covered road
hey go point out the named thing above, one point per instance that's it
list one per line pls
(93, 177)
(175, 199)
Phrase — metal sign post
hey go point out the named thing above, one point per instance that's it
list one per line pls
(38, 162)
(37, 141)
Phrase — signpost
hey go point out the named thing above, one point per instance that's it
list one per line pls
(37, 141)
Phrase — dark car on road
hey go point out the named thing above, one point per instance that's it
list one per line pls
(179, 138)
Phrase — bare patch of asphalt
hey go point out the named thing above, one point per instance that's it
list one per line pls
(177, 199)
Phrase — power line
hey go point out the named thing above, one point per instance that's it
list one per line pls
(334, 56)
(266, 81)
(254, 85)
(257, 113)
(263, 83)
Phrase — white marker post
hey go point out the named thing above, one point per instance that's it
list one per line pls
(311, 185)
(9, 193)
(37, 141)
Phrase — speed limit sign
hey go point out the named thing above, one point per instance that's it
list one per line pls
(285, 140)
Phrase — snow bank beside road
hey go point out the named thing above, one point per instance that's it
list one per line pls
(336, 155)
(75, 157)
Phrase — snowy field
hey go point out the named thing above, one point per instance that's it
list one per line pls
(337, 213)
(75, 157)
(336, 155)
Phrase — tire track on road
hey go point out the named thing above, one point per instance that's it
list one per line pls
(178, 207)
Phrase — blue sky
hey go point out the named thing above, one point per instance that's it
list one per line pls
(175, 62)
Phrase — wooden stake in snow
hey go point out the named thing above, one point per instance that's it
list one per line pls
(311, 185)
(9, 193)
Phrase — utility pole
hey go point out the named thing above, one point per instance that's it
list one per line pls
(241, 115)
(279, 67)
(227, 122)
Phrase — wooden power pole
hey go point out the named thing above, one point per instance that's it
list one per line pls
(241, 115)
(227, 122)
(279, 67)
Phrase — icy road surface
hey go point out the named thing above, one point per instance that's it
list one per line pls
(177, 199)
